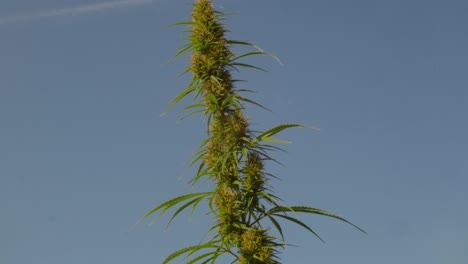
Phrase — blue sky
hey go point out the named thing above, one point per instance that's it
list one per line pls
(84, 152)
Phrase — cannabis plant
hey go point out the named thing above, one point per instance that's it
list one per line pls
(233, 156)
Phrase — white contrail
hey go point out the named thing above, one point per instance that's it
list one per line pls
(70, 11)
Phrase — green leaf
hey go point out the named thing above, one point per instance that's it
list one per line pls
(183, 50)
(190, 88)
(312, 210)
(190, 250)
(185, 23)
(243, 99)
(171, 203)
(192, 113)
(271, 198)
(245, 65)
(245, 43)
(249, 54)
(294, 220)
(277, 225)
(200, 173)
(202, 256)
(277, 129)
(275, 140)
(194, 206)
(193, 202)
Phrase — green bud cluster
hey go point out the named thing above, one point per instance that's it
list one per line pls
(232, 156)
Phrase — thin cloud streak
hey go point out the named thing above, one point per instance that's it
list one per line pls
(71, 11)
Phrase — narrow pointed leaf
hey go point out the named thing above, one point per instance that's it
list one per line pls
(275, 140)
(188, 250)
(296, 221)
(193, 202)
(277, 225)
(169, 204)
(277, 129)
(312, 210)
(185, 23)
(202, 256)
(179, 97)
(249, 54)
(245, 65)
(252, 102)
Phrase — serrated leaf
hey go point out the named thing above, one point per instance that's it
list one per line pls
(249, 54)
(169, 204)
(191, 88)
(277, 129)
(251, 102)
(299, 222)
(312, 210)
(190, 250)
(275, 140)
(193, 202)
(245, 65)
(202, 256)
(277, 225)
(184, 23)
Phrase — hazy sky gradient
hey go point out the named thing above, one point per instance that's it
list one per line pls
(84, 152)
(70, 11)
